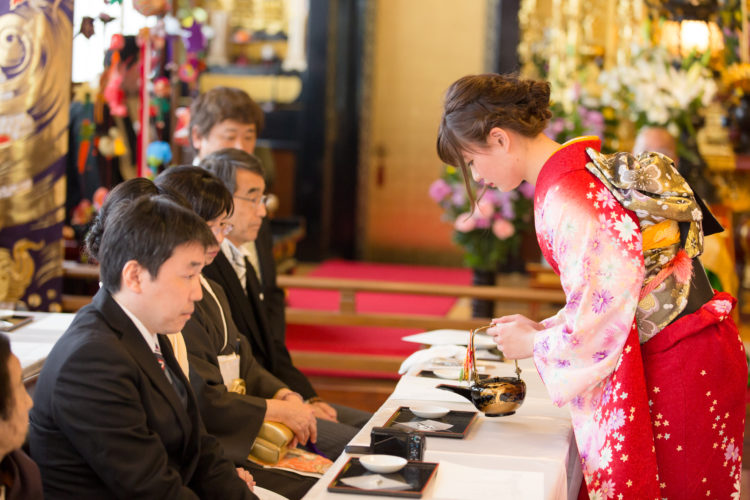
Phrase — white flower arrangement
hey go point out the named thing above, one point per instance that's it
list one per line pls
(654, 92)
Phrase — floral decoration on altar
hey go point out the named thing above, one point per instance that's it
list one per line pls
(736, 80)
(653, 91)
(491, 234)
(576, 112)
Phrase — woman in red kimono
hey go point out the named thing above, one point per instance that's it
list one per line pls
(644, 353)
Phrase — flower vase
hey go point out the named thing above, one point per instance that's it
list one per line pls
(482, 308)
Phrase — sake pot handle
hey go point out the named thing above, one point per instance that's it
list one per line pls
(473, 376)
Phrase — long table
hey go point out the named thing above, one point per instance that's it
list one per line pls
(32, 342)
(529, 455)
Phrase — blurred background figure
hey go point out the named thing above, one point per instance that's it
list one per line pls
(19, 475)
(656, 139)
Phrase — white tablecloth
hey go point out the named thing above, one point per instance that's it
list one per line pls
(529, 455)
(32, 342)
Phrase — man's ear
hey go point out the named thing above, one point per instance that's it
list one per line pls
(196, 138)
(132, 276)
(499, 136)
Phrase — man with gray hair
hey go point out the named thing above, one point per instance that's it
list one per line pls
(257, 302)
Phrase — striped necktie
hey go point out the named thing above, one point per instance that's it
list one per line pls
(240, 267)
(160, 358)
(173, 379)
(162, 362)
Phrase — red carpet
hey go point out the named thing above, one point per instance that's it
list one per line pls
(370, 340)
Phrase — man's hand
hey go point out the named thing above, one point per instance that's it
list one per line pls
(323, 410)
(514, 335)
(247, 477)
(289, 395)
(296, 415)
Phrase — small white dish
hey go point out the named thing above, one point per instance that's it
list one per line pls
(448, 373)
(383, 464)
(453, 373)
(429, 411)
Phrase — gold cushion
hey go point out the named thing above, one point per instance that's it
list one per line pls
(271, 444)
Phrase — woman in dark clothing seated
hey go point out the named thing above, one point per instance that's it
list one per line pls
(19, 475)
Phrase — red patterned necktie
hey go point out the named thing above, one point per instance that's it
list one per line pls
(160, 358)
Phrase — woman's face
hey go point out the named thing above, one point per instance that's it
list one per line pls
(220, 227)
(13, 431)
(496, 162)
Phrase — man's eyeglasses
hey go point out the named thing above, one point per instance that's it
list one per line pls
(257, 201)
(223, 228)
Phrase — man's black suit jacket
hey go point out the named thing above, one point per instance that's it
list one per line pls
(107, 422)
(251, 314)
(274, 298)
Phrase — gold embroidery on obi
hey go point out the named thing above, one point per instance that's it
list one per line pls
(660, 235)
(650, 186)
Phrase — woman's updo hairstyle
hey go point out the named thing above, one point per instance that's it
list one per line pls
(124, 192)
(476, 104)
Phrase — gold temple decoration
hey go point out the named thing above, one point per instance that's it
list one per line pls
(16, 270)
(576, 42)
(255, 15)
(576, 33)
(35, 86)
(745, 35)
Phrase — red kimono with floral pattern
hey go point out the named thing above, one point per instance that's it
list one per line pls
(660, 420)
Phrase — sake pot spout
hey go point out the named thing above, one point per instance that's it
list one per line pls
(461, 391)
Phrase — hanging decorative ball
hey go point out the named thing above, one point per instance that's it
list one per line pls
(151, 7)
(180, 135)
(118, 144)
(241, 36)
(187, 73)
(106, 18)
(106, 146)
(117, 42)
(99, 196)
(172, 25)
(113, 93)
(82, 213)
(158, 153)
(200, 15)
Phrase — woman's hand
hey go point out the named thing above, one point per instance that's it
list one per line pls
(247, 477)
(514, 335)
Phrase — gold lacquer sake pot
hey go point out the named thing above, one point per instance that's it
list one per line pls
(496, 396)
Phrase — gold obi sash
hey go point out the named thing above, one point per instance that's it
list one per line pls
(670, 221)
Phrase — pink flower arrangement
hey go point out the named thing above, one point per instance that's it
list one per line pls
(503, 229)
(465, 222)
(490, 232)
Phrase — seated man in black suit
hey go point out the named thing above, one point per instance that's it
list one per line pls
(222, 357)
(255, 298)
(114, 416)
